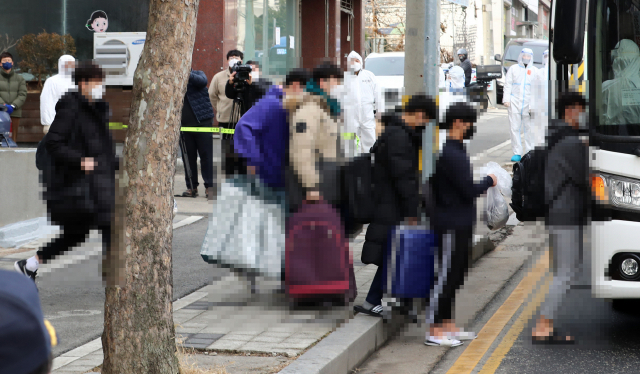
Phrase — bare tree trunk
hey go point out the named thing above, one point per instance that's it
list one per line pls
(139, 334)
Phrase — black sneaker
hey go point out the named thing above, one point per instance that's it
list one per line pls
(21, 267)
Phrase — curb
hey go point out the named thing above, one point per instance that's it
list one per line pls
(352, 344)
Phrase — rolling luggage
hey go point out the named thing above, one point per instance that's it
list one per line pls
(408, 269)
(317, 258)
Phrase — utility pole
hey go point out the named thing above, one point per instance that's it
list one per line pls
(421, 64)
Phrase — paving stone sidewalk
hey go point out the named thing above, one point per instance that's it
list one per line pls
(226, 317)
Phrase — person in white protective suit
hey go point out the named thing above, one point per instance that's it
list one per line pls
(456, 79)
(442, 82)
(616, 108)
(54, 88)
(362, 97)
(540, 102)
(517, 96)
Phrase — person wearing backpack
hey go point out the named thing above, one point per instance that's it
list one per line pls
(566, 199)
(80, 190)
(396, 179)
(453, 217)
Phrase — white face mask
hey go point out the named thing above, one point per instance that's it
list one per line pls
(355, 67)
(526, 61)
(583, 121)
(255, 75)
(233, 62)
(97, 92)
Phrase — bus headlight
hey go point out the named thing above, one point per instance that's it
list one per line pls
(623, 193)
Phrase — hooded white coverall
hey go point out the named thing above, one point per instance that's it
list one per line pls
(53, 89)
(621, 95)
(517, 92)
(362, 97)
(540, 101)
(456, 79)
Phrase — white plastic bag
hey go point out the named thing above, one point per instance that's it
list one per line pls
(504, 179)
(496, 213)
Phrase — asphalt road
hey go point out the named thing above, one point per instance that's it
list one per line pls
(73, 297)
(492, 129)
(606, 340)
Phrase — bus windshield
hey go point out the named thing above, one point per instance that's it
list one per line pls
(617, 68)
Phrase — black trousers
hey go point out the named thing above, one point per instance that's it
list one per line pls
(453, 264)
(198, 144)
(232, 162)
(73, 233)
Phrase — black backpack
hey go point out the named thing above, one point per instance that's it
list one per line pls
(528, 182)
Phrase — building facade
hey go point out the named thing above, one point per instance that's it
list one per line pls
(269, 31)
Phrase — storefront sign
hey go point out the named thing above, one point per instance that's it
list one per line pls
(98, 22)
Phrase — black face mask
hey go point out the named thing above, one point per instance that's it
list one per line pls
(468, 134)
(462, 58)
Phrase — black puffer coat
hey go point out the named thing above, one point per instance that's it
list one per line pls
(396, 180)
(80, 129)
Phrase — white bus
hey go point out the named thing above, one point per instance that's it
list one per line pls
(593, 30)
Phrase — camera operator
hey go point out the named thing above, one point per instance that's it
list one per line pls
(250, 90)
(223, 106)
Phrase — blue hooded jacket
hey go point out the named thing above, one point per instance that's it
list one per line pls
(262, 137)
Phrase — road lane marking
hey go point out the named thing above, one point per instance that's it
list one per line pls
(474, 352)
(510, 338)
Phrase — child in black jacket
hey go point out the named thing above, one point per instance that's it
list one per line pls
(453, 218)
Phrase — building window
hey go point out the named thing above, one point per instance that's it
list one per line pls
(267, 33)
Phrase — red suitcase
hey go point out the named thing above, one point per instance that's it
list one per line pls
(317, 260)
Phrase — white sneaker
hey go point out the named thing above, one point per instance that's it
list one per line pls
(463, 335)
(445, 342)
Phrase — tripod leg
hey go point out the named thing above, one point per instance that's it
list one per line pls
(187, 167)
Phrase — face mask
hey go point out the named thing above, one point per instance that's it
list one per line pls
(355, 67)
(255, 75)
(7, 65)
(233, 62)
(97, 91)
(468, 134)
(462, 58)
(583, 121)
(526, 61)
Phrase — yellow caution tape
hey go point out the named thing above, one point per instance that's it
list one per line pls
(121, 126)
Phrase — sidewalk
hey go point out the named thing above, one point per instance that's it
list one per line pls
(226, 318)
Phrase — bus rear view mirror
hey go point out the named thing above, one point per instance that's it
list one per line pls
(568, 31)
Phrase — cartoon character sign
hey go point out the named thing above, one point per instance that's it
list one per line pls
(98, 21)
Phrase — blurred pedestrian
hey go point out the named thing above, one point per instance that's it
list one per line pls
(223, 106)
(262, 134)
(197, 111)
(465, 64)
(13, 90)
(80, 193)
(26, 338)
(567, 196)
(313, 148)
(363, 102)
(54, 88)
(453, 218)
(517, 98)
(396, 178)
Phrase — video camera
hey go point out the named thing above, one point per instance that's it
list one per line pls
(243, 74)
